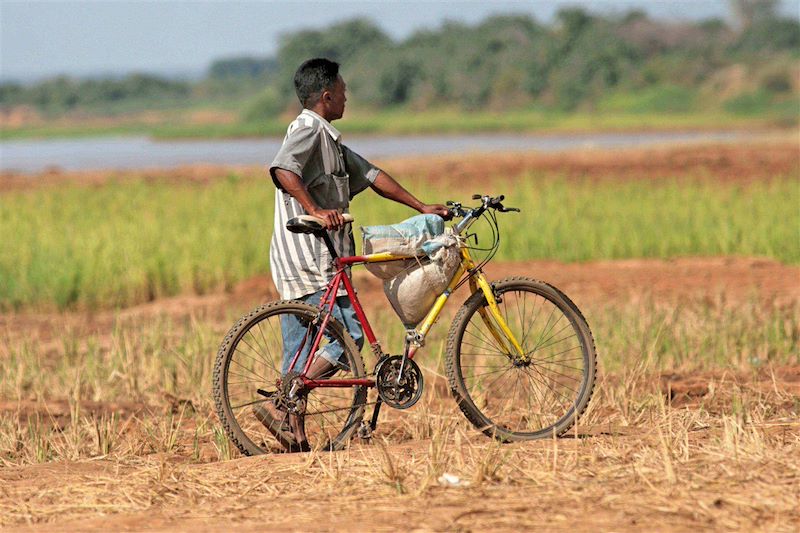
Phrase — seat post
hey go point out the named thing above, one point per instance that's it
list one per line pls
(327, 239)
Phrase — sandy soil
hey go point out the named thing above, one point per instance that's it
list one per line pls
(614, 477)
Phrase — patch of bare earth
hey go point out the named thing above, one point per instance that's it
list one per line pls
(719, 279)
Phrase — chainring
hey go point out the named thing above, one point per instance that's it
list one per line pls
(397, 389)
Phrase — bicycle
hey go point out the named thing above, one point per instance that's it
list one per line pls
(515, 377)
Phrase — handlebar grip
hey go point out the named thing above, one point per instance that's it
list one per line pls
(476, 196)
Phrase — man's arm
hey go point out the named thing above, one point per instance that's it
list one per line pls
(293, 184)
(386, 186)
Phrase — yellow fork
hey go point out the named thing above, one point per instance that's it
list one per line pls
(477, 282)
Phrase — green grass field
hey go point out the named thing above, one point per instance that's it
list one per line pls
(127, 242)
(404, 122)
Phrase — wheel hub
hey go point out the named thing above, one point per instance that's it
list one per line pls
(520, 362)
(290, 393)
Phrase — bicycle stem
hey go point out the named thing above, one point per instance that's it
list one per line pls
(465, 222)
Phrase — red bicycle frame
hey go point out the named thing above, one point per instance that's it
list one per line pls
(328, 301)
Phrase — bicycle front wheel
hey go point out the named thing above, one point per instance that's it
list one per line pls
(247, 373)
(512, 396)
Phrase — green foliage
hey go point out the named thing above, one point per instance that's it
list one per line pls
(129, 242)
(401, 121)
(512, 61)
(769, 35)
(749, 103)
(340, 42)
(661, 99)
(624, 220)
(267, 106)
(242, 67)
(63, 93)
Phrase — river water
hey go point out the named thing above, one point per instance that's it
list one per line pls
(32, 156)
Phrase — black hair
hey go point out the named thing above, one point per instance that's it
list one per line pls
(313, 77)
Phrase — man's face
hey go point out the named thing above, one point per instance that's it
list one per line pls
(336, 99)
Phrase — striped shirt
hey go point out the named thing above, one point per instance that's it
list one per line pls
(333, 174)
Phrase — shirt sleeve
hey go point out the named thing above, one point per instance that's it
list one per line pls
(362, 173)
(298, 147)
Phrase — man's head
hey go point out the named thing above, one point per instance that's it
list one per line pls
(320, 87)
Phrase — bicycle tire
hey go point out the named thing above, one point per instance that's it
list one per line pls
(531, 378)
(245, 439)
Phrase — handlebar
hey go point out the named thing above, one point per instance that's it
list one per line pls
(469, 215)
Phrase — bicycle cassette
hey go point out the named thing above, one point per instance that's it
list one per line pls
(399, 382)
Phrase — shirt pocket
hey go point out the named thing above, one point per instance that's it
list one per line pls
(331, 191)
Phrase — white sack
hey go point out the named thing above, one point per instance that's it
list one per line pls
(414, 290)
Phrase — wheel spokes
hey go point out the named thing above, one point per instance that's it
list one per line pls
(524, 396)
(255, 363)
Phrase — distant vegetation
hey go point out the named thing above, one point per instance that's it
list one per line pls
(582, 62)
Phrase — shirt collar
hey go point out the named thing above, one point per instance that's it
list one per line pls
(333, 132)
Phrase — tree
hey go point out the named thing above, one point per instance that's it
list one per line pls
(750, 12)
(242, 67)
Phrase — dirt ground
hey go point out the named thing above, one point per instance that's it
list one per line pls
(656, 453)
(729, 279)
(612, 478)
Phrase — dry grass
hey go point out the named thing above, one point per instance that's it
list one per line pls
(694, 424)
(636, 461)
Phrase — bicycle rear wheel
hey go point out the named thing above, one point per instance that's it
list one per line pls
(249, 360)
(516, 398)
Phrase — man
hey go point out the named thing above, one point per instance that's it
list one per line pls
(317, 175)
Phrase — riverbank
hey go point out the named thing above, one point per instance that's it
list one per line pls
(214, 124)
(116, 153)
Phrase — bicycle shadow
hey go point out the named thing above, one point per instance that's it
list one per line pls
(597, 432)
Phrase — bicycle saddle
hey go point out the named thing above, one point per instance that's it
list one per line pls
(310, 224)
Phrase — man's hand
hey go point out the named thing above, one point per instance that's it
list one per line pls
(332, 218)
(436, 209)
(293, 184)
